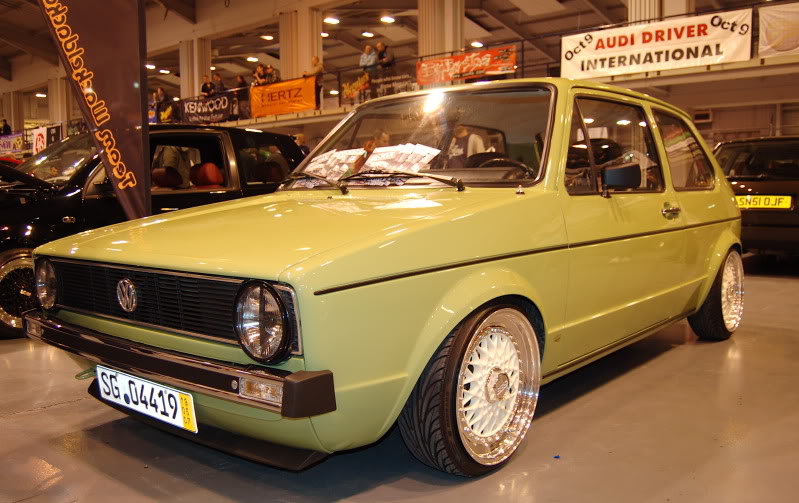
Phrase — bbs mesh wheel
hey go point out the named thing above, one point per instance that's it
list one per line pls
(474, 402)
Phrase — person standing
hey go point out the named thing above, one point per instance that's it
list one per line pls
(368, 64)
(272, 74)
(242, 98)
(386, 64)
(6, 130)
(316, 72)
(208, 88)
(259, 76)
(219, 84)
(299, 139)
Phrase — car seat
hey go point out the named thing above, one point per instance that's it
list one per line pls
(166, 177)
(206, 176)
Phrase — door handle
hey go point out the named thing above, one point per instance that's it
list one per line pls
(670, 211)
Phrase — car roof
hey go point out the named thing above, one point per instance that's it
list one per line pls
(205, 127)
(762, 139)
(560, 83)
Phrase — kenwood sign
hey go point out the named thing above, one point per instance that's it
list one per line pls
(214, 109)
(679, 43)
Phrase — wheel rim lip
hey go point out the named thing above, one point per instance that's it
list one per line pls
(23, 262)
(732, 291)
(497, 448)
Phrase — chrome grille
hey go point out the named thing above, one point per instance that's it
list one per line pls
(196, 305)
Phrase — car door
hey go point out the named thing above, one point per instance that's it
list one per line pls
(697, 187)
(625, 254)
(188, 169)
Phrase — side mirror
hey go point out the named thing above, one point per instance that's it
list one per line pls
(621, 176)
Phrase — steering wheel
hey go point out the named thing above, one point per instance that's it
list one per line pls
(508, 162)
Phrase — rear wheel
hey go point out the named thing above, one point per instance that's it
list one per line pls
(17, 290)
(474, 402)
(722, 310)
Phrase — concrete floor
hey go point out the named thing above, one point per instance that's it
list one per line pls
(667, 419)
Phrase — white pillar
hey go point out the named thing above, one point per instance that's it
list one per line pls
(642, 10)
(300, 40)
(195, 61)
(16, 110)
(440, 26)
(58, 96)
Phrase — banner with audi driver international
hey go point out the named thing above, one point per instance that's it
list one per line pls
(680, 43)
(102, 48)
(214, 109)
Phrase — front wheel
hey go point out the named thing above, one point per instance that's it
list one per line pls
(474, 402)
(722, 310)
(17, 290)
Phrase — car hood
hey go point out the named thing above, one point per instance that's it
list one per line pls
(10, 175)
(319, 236)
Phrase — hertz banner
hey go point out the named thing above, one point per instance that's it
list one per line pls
(110, 85)
(283, 97)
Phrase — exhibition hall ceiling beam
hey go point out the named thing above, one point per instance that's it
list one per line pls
(396, 5)
(187, 9)
(507, 19)
(5, 68)
(41, 46)
(602, 11)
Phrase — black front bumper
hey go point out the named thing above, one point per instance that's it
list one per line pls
(305, 393)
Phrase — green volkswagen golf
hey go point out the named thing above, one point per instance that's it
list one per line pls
(435, 260)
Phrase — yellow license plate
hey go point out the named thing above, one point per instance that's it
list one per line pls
(778, 202)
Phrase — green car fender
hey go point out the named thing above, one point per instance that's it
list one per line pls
(728, 240)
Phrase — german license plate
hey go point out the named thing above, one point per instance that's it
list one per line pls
(160, 402)
(774, 202)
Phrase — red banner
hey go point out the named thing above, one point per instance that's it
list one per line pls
(494, 61)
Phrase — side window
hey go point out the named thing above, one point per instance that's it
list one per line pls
(689, 165)
(619, 134)
(579, 172)
(261, 160)
(182, 162)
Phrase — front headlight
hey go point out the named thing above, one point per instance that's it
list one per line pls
(45, 283)
(262, 323)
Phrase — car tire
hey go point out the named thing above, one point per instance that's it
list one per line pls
(473, 404)
(721, 313)
(17, 290)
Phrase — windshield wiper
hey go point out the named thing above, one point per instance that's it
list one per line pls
(333, 183)
(449, 180)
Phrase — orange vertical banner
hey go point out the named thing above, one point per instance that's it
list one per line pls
(284, 97)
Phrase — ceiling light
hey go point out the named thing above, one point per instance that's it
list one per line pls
(331, 20)
(41, 95)
(367, 34)
(163, 71)
(175, 99)
(476, 44)
(642, 123)
(252, 59)
(325, 34)
(387, 19)
(149, 66)
(588, 120)
(333, 92)
(623, 122)
(267, 37)
(213, 68)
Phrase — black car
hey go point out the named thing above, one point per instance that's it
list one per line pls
(764, 173)
(64, 190)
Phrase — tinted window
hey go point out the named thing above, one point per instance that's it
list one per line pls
(187, 161)
(690, 167)
(618, 134)
(58, 162)
(262, 160)
(773, 159)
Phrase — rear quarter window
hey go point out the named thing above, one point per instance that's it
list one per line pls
(689, 164)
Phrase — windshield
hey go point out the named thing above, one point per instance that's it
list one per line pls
(478, 136)
(772, 159)
(57, 163)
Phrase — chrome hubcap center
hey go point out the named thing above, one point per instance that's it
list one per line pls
(497, 385)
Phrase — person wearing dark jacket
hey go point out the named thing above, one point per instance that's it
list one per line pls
(6, 128)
